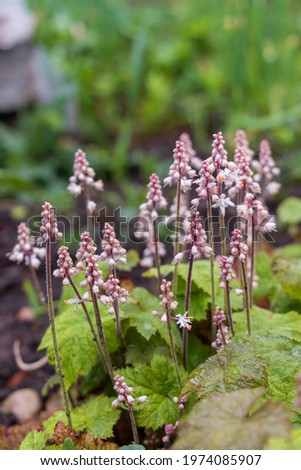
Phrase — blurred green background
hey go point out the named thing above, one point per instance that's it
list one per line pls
(141, 72)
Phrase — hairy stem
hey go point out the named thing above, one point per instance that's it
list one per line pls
(176, 246)
(187, 307)
(209, 216)
(36, 285)
(118, 320)
(92, 329)
(57, 357)
(252, 255)
(173, 349)
(102, 337)
(229, 308)
(246, 295)
(157, 257)
(133, 424)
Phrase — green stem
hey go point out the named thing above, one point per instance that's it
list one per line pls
(57, 357)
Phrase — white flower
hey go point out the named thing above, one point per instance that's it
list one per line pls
(74, 189)
(142, 399)
(223, 202)
(184, 321)
(178, 258)
(91, 206)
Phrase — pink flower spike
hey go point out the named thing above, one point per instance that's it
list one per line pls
(65, 264)
(112, 249)
(48, 226)
(180, 168)
(25, 251)
(154, 198)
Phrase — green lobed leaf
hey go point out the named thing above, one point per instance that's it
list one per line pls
(77, 348)
(95, 416)
(132, 447)
(267, 285)
(139, 350)
(227, 421)
(264, 322)
(289, 211)
(288, 273)
(158, 382)
(34, 440)
(237, 366)
(138, 310)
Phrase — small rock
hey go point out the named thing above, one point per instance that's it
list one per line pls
(24, 404)
(25, 314)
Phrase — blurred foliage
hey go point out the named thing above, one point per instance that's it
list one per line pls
(140, 70)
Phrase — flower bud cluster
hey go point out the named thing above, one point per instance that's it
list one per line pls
(48, 226)
(113, 292)
(166, 301)
(65, 265)
(226, 272)
(239, 249)
(83, 177)
(124, 393)
(207, 182)
(24, 251)
(222, 338)
(196, 237)
(111, 247)
(180, 169)
(154, 198)
(194, 160)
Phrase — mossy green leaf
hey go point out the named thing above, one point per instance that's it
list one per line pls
(158, 382)
(282, 357)
(227, 421)
(266, 323)
(293, 442)
(141, 351)
(236, 366)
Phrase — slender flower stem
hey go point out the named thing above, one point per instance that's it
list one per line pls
(229, 309)
(37, 285)
(102, 337)
(187, 307)
(157, 257)
(246, 295)
(118, 320)
(222, 223)
(209, 216)
(176, 247)
(57, 357)
(133, 424)
(252, 259)
(172, 348)
(93, 331)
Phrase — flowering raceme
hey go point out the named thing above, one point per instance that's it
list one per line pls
(25, 251)
(180, 169)
(83, 178)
